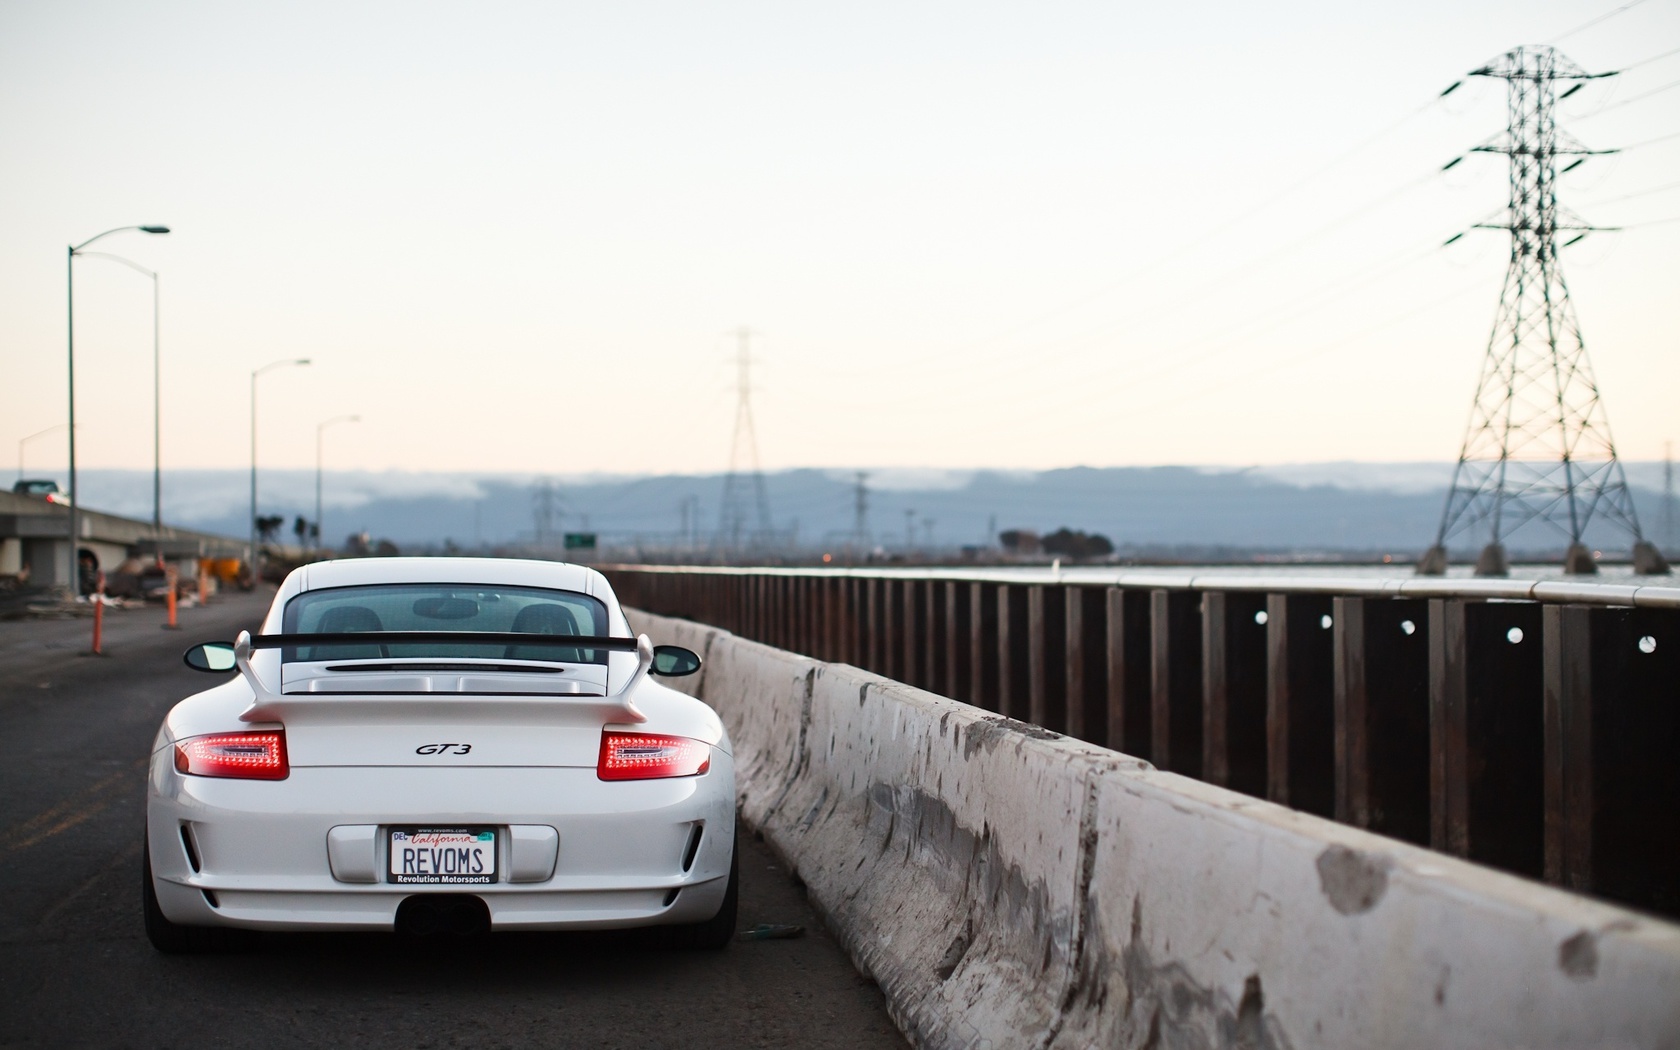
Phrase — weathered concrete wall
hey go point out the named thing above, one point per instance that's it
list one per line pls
(1010, 887)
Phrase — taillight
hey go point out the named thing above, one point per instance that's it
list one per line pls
(649, 756)
(247, 756)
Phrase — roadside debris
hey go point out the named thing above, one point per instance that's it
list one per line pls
(769, 931)
(40, 603)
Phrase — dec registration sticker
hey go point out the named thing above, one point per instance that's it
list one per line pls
(443, 856)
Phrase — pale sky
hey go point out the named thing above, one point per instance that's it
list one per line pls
(513, 237)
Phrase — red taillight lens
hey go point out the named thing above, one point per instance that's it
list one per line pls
(247, 756)
(649, 756)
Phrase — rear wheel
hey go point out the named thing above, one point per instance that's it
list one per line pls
(172, 938)
(715, 933)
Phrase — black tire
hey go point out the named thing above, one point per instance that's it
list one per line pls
(172, 938)
(716, 932)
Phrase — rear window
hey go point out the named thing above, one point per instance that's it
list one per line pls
(445, 607)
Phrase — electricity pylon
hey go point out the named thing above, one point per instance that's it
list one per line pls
(1538, 446)
(860, 512)
(733, 527)
(1670, 536)
(544, 511)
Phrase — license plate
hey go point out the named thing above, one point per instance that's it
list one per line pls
(442, 856)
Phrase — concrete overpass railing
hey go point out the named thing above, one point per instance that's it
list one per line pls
(1528, 726)
(1008, 886)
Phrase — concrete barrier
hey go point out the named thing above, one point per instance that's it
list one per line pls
(1010, 887)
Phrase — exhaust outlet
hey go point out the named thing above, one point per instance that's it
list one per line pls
(443, 914)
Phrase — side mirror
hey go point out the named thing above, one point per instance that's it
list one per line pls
(214, 657)
(669, 661)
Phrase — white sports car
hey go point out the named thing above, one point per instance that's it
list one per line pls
(440, 744)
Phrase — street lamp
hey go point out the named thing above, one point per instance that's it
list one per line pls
(157, 391)
(254, 375)
(25, 440)
(319, 429)
(70, 332)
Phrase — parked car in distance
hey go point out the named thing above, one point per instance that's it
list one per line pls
(440, 745)
(41, 488)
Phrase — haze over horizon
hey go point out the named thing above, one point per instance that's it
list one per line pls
(1326, 506)
(971, 237)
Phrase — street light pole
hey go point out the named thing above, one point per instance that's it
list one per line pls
(319, 429)
(25, 440)
(254, 375)
(157, 419)
(70, 358)
(157, 390)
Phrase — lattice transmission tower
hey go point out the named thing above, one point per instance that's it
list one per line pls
(1538, 448)
(545, 512)
(1671, 509)
(738, 524)
(860, 513)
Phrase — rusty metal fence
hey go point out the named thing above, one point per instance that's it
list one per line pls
(1531, 727)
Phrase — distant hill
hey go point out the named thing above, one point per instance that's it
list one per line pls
(1332, 507)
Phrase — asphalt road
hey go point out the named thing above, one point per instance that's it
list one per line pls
(76, 969)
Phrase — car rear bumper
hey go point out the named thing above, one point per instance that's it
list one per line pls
(261, 854)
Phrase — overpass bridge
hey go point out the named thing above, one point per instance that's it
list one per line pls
(1154, 809)
(35, 541)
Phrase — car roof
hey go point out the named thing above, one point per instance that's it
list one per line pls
(507, 572)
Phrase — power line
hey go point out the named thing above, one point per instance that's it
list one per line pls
(975, 373)
(1093, 387)
(975, 369)
(1651, 142)
(1654, 91)
(1214, 231)
(1630, 101)
(1631, 196)
(1333, 162)
(1589, 23)
(1255, 264)
(1342, 220)
(1320, 350)
(1648, 61)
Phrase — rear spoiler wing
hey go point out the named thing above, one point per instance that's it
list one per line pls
(266, 703)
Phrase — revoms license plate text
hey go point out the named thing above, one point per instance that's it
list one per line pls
(442, 856)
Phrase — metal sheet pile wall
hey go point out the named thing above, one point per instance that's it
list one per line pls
(1008, 886)
(1532, 733)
